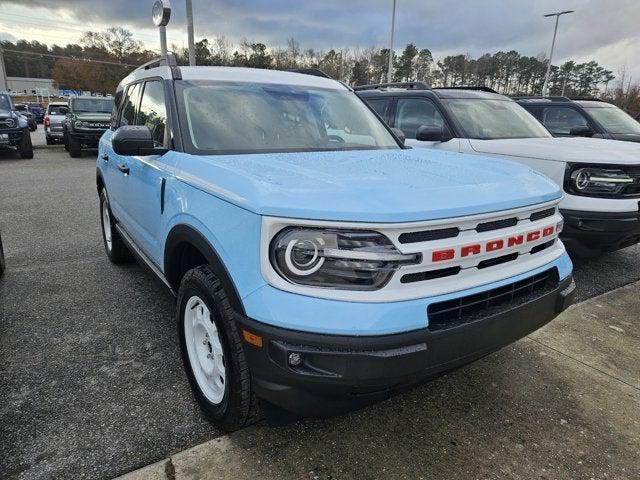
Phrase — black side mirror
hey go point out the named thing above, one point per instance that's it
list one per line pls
(400, 134)
(432, 134)
(581, 131)
(135, 140)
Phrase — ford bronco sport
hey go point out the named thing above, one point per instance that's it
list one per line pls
(318, 264)
(85, 122)
(14, 128)
(601, 178)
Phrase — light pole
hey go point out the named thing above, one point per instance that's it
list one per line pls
(161, 15)
(545, 88)
(192, 47)
(393, 27)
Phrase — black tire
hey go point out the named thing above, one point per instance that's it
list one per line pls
(2, 261)
(117, 252)
(239, 406)
(25, 148)
(65, 140)
(75, 147)
(34, 127)
(50, 141)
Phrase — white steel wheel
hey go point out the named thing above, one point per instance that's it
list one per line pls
(106, 226)
(204, 350)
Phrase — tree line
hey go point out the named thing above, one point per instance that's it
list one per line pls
(507, 72)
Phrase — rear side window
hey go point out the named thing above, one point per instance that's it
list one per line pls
(153, 112)
(560, 120)
(412, 113)
(379, 105)
(130, 105)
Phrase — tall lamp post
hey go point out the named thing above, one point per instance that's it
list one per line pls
(161, 15)
(190, 38)
(545, 88)
(393, 27)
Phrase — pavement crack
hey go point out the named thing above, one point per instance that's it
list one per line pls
(613, 377)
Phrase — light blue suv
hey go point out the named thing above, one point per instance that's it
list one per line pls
(318, 264)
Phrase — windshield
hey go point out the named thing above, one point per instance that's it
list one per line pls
(55, 109)
(488, 119)
(92, 105)
(230, 118)
(612, 118)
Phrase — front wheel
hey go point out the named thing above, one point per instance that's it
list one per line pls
(115, 247)
(75, 147)
(25, 148)
(212, 351)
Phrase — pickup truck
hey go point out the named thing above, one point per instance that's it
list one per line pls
(53, 120)
(318, 264)
(14, 128)
(600, 178)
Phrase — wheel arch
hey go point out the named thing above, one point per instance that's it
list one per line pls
(184, 241)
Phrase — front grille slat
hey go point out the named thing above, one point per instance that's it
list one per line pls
(428, 235)
(497, 224)
(549, 212)
(452, 313)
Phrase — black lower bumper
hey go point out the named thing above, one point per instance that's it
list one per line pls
(14, 136)
(87, 139)
(600, 231)
(339, 373)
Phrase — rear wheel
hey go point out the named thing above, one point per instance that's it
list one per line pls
(75, 147)
(212, 351)
(115, 247)
(25, 148)
(50, 141)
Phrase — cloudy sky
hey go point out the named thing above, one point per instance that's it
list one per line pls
(607, 31)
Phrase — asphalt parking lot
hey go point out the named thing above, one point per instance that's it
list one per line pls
(91, 382)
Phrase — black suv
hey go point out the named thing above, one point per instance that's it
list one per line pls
(86, 121)
(565, 117)
(38, 110)
(14, 128)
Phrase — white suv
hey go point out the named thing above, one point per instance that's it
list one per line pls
(601, 178)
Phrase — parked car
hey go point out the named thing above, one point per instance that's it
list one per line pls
(2, 260)
(23, 110)
(601, 178)
(86, 121)
(564, 117)
(14, 128)
(38, 110)
(318, 265)
(56, 114)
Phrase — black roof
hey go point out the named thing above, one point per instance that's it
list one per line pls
(413, 88)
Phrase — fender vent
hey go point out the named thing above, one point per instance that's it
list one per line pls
(452, 313)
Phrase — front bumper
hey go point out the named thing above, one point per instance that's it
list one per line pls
(342, 373)
(14, 136)
(89, 138)
(600, 231)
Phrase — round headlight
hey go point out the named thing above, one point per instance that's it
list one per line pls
(302, 257)
(582, 179)
(79, 124)
(10, 122)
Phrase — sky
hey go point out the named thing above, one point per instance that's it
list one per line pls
(607, 31)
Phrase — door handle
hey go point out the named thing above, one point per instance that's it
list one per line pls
(123, 168)
(105, 157)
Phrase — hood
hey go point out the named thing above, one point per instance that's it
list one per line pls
(92, 117)
(565, 149)
(370, 185)
(5, 113)
(626, 137)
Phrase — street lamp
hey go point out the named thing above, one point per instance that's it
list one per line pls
(191, 40)
(545, 88)
(161, 14)
(393, 26)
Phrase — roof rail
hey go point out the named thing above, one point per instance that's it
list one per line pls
(476, 88)
(316, 72)
(589, 99)
(552, 98)
(406, 85)
(170, 61)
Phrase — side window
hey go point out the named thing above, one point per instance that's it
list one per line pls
(153, 112)
(131, 102)
(560, 120)
(116, 106)
(379, 105)
(412, 113)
